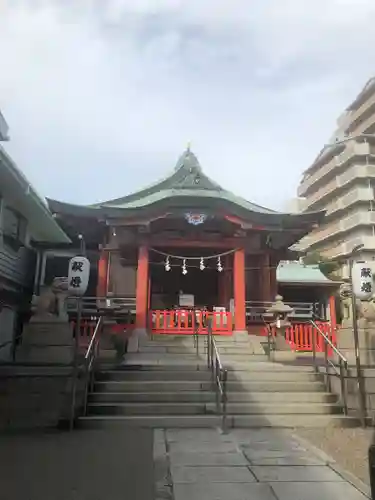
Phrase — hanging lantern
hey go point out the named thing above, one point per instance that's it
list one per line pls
(202, 267)
(219, 266)
(184, 270)
(167, 264)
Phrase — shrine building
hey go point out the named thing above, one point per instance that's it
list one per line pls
(181, 244)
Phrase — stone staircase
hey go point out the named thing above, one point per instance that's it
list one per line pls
(166, 384)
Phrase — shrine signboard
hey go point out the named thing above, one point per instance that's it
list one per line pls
(78, 275)
(362, 278)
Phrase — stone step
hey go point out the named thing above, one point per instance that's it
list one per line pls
(202, 342)
(189, 339)
(165, 359)
(196, 385)
(230, 359)
(245, 349)
(153, 397)
(153, 421)
(210, 408)
(127, 375)
(201, 364)
(148, 409)
(210, 421)
(250, 375)
(209, 396)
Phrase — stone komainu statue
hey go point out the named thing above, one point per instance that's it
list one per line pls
(50, 304)
(365, 308)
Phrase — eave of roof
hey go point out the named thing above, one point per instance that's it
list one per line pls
(187, 184)
(42, 223)
(294, 273)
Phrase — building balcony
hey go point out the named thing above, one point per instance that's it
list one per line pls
(356, 117)
(345, 248)
(339, 182)
(352, 149)
(355, 195)
(365, 125)
(358, 218)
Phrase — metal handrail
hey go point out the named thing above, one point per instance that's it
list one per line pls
(329, 342)
(219, 376)
(108, 301)
(341, 372)
(89, 360)
(93, 338)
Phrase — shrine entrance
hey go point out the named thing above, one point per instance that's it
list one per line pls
(172, 278)
(186, 289)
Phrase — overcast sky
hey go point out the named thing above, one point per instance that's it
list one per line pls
(102, 96)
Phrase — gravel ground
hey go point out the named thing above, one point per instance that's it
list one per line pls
(348, 447)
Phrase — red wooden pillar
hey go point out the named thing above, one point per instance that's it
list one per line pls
(332, 312)
(103, 270)
(239, 290)
(142, 288)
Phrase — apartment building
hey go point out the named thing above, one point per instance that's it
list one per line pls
(341, 181)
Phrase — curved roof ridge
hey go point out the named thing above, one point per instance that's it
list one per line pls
(186, 163)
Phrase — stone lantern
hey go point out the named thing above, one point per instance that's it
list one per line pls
(278, 314)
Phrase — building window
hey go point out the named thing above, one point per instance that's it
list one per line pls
(14, 226)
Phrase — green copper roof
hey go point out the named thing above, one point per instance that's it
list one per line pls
(187, 180)
(294, 272)
(188, 187)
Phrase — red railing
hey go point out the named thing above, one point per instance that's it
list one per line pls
(187, 322)
(300, 336)
(88, 327)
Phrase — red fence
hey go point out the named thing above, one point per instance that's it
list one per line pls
(301, 336)
(187, 322)
(88, 327)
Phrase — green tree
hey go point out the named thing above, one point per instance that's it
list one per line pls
(328, 267)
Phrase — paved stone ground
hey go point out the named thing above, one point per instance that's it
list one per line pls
(82, 465)
(349, 447)
(244, 465)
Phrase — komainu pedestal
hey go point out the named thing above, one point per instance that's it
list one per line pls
(48, 338)
(47, 343)
(366, 338)
(366, 333)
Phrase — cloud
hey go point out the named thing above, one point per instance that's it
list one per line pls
(102, 97)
